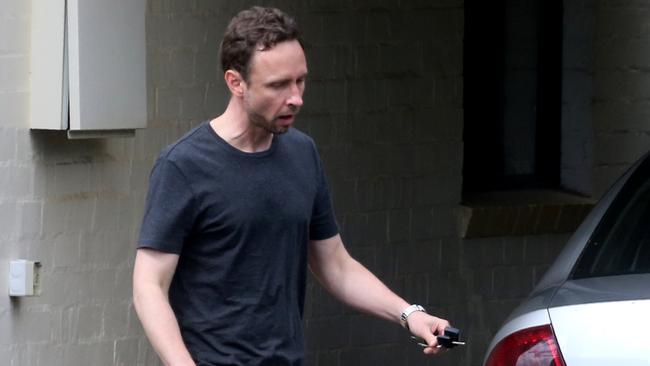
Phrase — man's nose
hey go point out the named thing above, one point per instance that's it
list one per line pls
(295, 98)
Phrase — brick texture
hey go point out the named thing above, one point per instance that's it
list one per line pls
(390, 99)
(384, 103)
(621, 84)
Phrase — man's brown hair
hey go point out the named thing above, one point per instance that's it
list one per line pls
(257, 28)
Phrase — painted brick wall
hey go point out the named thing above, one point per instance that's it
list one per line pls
(577, 95)
(605, 89)
(621, 87)
(75, 206)
(384, 103)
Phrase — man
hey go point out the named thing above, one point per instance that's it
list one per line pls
(235, 211)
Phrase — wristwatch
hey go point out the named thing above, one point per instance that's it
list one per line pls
(408, 311)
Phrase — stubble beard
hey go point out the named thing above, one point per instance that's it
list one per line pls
(269, 126)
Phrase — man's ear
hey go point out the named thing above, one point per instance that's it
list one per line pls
(235, 82)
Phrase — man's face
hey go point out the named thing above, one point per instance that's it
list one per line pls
(276, 82)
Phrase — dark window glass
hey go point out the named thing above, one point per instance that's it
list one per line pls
(512, 73)
(621, 242)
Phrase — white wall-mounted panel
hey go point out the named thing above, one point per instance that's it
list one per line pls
(106, 45)
(48, 98)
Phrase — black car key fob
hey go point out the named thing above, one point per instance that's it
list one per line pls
(451, 338)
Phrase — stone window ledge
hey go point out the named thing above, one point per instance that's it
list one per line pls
(526, 212)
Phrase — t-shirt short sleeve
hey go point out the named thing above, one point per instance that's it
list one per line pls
(169, 209)
(323, 223)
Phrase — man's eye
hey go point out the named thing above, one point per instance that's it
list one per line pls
(277, 85)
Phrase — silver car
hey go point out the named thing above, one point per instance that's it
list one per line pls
(592, 307)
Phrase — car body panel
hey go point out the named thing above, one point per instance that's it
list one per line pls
(604, 333)
(601, 289)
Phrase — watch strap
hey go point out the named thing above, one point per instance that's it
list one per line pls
(408, 311)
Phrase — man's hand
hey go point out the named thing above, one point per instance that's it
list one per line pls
(427, 327)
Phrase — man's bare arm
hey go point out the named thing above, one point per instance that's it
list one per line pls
(152, 276)
(353, 284)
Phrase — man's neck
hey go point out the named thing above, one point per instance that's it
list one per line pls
(236, 129)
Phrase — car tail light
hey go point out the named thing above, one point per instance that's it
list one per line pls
(535, 346)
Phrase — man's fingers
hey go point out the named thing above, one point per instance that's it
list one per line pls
(434, 350)
(429, 342)
(439, 326)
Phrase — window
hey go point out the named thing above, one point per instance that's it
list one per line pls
(512, 100)
(621, 242)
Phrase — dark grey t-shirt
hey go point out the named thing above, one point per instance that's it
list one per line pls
(240, 223)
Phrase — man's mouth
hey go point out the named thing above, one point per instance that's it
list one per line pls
(286, 118)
